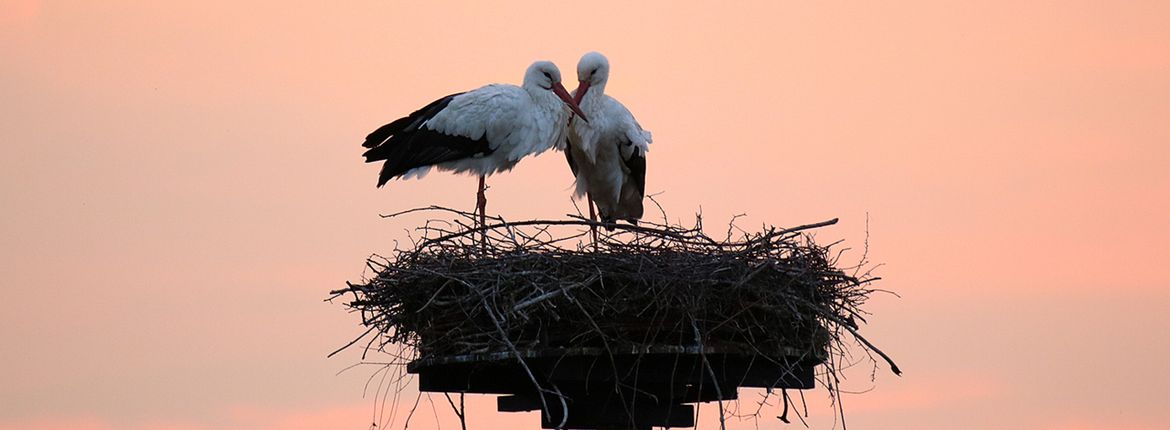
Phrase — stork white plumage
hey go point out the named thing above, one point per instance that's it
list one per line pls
(482, 131)
(607, 154)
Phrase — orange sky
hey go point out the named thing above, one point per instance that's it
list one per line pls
(183, 184)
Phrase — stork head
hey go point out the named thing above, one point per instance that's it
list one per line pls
(546, 76)
(592, 71)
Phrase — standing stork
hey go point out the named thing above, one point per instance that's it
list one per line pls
(607, 154)
(482, 131)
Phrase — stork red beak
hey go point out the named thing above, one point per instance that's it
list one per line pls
(582, 87)
(559, 90)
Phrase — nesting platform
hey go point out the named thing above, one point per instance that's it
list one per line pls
(650, 387)
(625, 332)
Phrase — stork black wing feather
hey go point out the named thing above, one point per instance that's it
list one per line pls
(634, 190)
(405, 144)
(407, 123)
(424, 147)
(637, 165)
(569, 156)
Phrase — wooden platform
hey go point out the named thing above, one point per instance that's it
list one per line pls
(631, 388)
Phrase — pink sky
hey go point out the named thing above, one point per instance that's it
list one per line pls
(182, 184)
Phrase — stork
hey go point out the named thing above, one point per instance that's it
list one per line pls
(482, 131)
(606, 154)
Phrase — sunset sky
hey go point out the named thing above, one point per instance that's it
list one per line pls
(181, 185)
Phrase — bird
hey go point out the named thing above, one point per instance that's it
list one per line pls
(483, 131)
(607, 153)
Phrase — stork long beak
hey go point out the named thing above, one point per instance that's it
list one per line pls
(582, 87)
(559, 90)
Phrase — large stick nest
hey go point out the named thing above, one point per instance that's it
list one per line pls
(530, 285)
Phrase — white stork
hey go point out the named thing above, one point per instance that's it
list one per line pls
(607, 154)
(482, 131)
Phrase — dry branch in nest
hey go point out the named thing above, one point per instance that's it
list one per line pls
(513, 287)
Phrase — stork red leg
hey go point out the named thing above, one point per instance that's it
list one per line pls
(481, 203)
(481, 208)
(592, 218)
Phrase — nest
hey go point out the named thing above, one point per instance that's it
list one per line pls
(508, 287)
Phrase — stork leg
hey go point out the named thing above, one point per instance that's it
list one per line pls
(592, 218)
(481, 203)
(481, 208)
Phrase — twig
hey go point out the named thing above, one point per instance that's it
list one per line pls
(347, 345)
(710, 372)
(459, 411)
(893, 366)
(529, 302)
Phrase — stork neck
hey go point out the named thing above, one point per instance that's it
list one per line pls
(543, 97)
(596, 92)
(535, 91)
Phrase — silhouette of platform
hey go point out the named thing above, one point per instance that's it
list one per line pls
(596, 388)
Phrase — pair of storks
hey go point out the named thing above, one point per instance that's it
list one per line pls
(490, 129)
